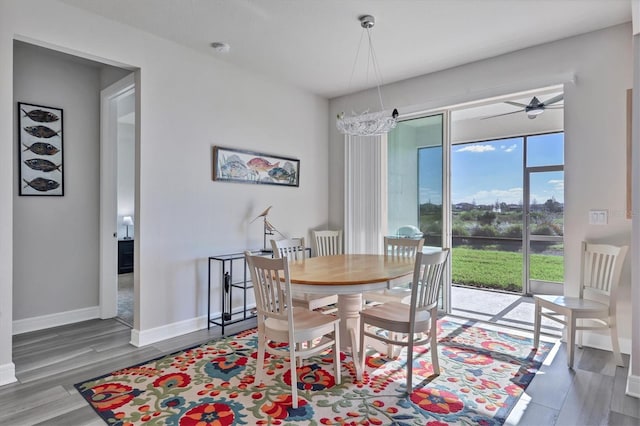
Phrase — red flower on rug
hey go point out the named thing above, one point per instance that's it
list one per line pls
(174, 380)
(211, 414)
(112, 395)
(467, 356)
(282, 408)
(311, 377)
(437, 401)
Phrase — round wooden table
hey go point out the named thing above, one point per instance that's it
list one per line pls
(348, 276)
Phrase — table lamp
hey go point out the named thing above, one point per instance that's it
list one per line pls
(127, 221)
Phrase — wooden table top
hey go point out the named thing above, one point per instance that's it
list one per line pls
(348, 269)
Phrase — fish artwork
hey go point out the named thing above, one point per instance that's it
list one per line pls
(42, 184)
(41, 116)
(41, 131)
(42, 165)
(42, 148)
(259, 164)
(278, 173)
(234, 167)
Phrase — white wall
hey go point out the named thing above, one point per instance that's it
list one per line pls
(594, 123)
(189, 102)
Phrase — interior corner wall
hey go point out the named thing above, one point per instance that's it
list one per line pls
(595, 138)
(55, 248)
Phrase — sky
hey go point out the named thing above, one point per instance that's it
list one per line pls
(486, 172)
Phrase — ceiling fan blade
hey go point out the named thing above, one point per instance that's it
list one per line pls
(554, 107)
(518, 104)
(500, 115)
(553, 100)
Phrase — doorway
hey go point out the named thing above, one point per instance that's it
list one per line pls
(118, 200)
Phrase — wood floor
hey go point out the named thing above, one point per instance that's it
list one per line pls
(49, 362)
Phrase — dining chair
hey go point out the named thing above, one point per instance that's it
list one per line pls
(398, 290)
(416, 320)
(328, 243)
(600, 269)
(279, 321)
(295, 249)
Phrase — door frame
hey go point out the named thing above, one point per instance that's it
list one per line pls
(108, 269)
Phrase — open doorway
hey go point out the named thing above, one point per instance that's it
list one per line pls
(118, 199)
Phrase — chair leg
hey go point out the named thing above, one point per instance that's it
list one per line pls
(294, 376)
(363, 352)
(337, 370)
(536, 325)
(571, 336)
(433, 336)
(410, 365)
(615, 345)
(262, 343)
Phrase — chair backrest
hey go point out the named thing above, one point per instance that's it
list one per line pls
(270, 278)
(402, 247)
(328, 242)
(600, 270)
(427, 280)
(293, 248)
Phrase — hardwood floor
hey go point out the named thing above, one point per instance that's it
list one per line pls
(49, 362)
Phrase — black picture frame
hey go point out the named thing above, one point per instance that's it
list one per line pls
(40, 158)
(237, 165)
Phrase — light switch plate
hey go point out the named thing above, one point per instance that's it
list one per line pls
(598, 217)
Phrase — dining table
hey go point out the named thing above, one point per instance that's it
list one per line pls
(348, 276)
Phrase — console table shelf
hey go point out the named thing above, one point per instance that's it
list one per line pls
(231, 279)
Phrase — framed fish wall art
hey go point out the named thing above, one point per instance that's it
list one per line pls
(235, 165)
(40, 140)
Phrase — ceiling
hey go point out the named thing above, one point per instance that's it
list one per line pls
(312, 44)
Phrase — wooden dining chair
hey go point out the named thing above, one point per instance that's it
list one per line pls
(398, 290)
(328, 243)
(279, 321)
(295, 249)
(600, 270)
(413, 324)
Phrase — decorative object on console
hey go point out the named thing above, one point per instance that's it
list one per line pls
(40, 147)
(235, 165)
(127, 221)
(269, 229)
(366, 123)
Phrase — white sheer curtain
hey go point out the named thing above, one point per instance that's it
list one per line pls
(365, 193)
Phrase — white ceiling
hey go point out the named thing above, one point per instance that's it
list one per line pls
(312, 43)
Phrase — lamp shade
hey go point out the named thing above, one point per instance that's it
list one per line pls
(127, 220)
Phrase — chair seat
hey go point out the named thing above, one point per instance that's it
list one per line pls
(578, 306)
(308, 325)
(394, 316)
(396, 294)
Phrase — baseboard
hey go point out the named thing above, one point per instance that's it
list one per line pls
(7, 374)
(603, 341)
(633, 386)
(54, 320)
(157, 334)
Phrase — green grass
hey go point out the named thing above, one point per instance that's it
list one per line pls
(502, 269)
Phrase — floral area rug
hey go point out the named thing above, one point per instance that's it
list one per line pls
(483, 373)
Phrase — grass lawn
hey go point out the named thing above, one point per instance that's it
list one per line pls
(502, 269)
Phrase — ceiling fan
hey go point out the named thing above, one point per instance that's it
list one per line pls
(534, 108)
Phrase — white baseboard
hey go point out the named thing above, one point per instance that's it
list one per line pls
(633, 386)
(7, 374)
(157, 334)
(603, 341)
(54, 320)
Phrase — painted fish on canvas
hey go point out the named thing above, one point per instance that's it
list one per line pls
(42, 165)
(41, 131)
(234, 167)
(41, 116)
(280, 174)
(259, 164)
(42, 184)
(41, 148)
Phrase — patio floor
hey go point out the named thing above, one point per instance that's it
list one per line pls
(511, 310)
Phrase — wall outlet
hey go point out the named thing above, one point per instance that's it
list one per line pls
(598, 217)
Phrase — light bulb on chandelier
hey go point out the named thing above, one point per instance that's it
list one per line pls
(368, 123)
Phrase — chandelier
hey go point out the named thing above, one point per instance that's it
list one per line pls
(368, 123)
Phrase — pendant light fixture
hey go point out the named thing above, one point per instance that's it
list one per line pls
(366, 123)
